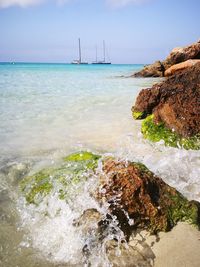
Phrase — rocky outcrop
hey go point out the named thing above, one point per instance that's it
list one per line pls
(177, 55)
(174, 103)
(139, 199)
(181, 54)
(154, 70)
(181, 66)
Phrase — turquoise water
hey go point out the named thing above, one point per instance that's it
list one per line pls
(49, 106)
(49, 110)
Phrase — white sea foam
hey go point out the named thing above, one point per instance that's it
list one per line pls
(51, 228)
(179, 168)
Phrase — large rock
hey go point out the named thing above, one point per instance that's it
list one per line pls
(181, 66)
(146, 101)
(130, 198)
(182, 54)
(154, 70)
(174, 102)
(139, 199)
(177, 55)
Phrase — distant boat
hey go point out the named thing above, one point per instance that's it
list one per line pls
(79, 61)
(104, 56)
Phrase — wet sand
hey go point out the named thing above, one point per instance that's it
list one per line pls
(178, 248)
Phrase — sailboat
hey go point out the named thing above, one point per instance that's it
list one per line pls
(79, 61)
(104, 56)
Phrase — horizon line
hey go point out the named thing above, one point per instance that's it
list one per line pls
(67, 63)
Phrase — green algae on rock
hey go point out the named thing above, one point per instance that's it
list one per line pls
(157, 132)
(132, 189)
(174, 102)
(61, 180)
(89, 159)
(82, 156)
(137, 115)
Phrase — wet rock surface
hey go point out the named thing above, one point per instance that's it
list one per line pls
(129, 198)
(177, 55)
(139, 199)
(61, 180)
(174, 102)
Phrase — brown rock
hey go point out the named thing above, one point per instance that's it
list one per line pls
(181, 66)
(147, 100)
(153, 70)
(176, 56)
(140, 199)
(175, 101)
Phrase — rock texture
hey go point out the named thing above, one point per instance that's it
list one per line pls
(175, 102)
(139, 199)
(182, 54)
(130, 197)
(156, 69)
(177, 55)
(181, 66)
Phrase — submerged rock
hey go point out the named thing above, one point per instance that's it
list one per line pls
(124, 255)
(60, 180)
(102, 240)
(175, 105)
(142, 200)
(177, 55)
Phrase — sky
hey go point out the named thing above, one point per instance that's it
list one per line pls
(135, 31)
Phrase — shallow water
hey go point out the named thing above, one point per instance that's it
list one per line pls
(49, 110)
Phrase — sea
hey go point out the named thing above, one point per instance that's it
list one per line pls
(50, 110)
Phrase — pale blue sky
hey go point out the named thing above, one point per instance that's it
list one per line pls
(135, 31)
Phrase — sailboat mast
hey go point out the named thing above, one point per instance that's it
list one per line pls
(79, 45)
(96, 54)
(104, 52)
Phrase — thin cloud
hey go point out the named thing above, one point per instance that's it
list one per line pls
(122, 3)
(21, 3)
(26, 3)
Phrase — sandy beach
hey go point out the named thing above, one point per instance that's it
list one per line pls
(178, 248)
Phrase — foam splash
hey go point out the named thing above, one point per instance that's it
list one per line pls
(50, 225)
(179, 168)
(51, 228)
